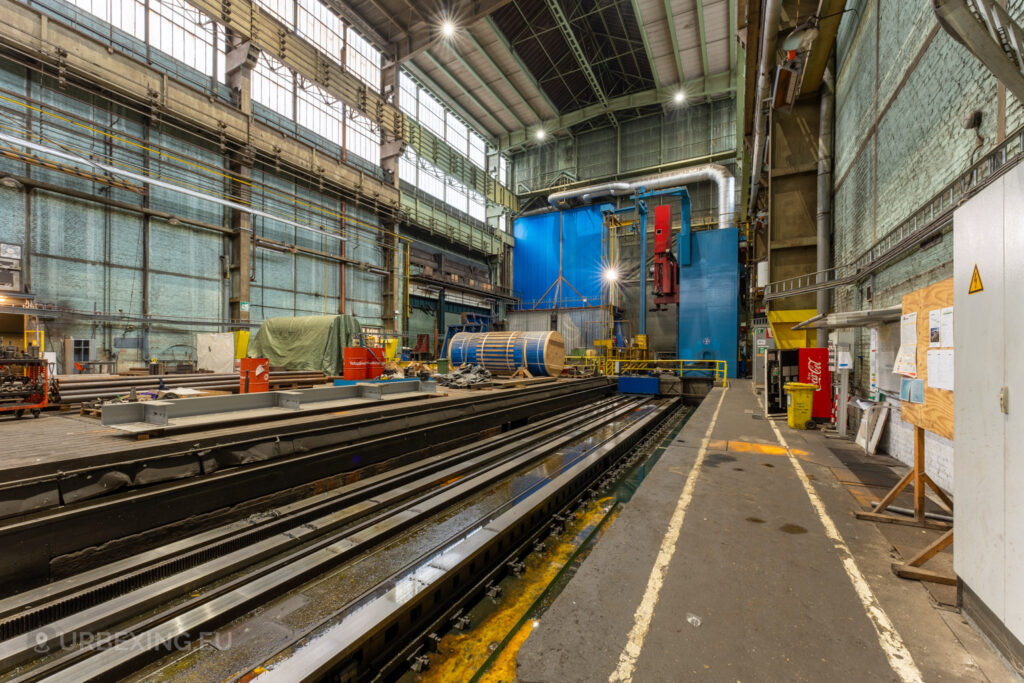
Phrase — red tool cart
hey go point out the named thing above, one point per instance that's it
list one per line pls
(24, 383)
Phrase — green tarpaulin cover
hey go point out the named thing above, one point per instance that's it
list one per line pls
(307, 343)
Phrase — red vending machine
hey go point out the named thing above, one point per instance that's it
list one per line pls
(814, 370)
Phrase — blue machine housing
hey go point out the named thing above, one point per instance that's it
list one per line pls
(709, 288)
(638, 385)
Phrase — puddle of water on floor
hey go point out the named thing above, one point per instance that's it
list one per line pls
(792, 529)
(755, 520)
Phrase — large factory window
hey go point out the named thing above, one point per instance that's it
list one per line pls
(362, 59)
(363, 137)
(477, 150)
(322, 27)
(181, 31)
(455, 134)
(455, 196)
(477, 207)
(431, 114)
(127, 15)
(273, 85)
(282, 10)
(320, 112)
(408, 98)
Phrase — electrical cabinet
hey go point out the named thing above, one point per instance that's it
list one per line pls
(988, 408)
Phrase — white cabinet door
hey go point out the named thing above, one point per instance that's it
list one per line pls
(979, 439)
(1013, 469)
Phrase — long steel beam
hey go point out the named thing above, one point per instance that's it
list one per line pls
(464, 90)
(670, 20)
(719, 84)
(484, 84)
(501, 72)
(647, 43)
(503, 41)
(555, 7)
(703, 37)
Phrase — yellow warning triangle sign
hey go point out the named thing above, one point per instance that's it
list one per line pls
(976, 285)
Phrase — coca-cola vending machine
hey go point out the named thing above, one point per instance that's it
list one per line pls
(814, 370)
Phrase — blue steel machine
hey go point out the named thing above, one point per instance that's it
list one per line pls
(559, 252)
(709, 287)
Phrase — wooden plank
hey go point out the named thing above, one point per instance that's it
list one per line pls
(936, 413)
(918, 574)
(903, 521)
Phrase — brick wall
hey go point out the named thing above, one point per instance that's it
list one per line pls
(902, 90)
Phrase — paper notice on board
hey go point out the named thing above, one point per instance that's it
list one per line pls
(946, 327)
(906, 361)
(940, 369)
(908, 329)
(935, 328)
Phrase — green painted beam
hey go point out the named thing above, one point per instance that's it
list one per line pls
(670, 20)
(703, 36)
(501, 72)
(465, 91)
(479, 79)
(719, 84)
(733, 43)
(647, 42)
(503, 41)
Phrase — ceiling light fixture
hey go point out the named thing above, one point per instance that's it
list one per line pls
(679, 97)
(448, 28)
(541, 133)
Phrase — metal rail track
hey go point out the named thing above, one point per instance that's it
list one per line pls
(308, 458)
(35, 608)
(456, 574)
(296, 554)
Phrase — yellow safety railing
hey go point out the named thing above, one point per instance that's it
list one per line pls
(718, 369)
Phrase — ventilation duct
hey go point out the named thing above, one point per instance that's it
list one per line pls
(717, 173)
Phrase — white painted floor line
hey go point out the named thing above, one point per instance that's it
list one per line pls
(888, 637)
(645, 611)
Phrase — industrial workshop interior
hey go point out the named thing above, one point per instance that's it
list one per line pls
(511, 340)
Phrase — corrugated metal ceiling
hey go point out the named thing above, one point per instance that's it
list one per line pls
(516, 68)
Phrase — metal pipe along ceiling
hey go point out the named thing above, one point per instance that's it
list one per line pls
(717, 173)
(765, 63)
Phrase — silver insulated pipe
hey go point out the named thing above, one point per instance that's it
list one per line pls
(717, 173)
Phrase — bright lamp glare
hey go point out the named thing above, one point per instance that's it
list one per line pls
(679, 97)
(611, 275)
(448, 29)
(541, 134)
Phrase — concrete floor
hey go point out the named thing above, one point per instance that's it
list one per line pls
(753, 588)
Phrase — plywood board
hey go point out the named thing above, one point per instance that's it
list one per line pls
(936, 413)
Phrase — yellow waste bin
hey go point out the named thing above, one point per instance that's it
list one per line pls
(799, 402)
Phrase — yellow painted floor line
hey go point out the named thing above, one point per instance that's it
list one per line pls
(645, 611)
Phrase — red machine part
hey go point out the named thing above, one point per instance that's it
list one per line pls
(253, 375)
(666, 270)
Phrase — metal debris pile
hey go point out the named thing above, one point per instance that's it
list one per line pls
(464, 376)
